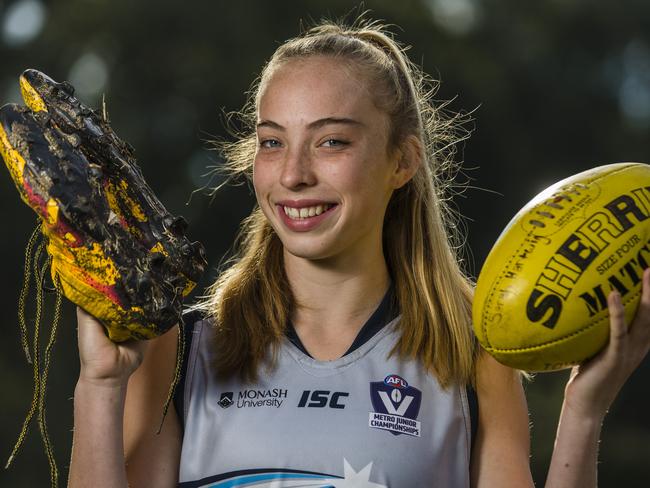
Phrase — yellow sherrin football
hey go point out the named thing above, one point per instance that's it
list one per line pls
(541, 297)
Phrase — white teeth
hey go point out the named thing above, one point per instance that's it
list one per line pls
(306, 212)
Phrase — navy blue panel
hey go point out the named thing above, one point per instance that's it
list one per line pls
(472, 400)
(187, 326)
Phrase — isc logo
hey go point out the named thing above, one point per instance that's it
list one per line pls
(322, 398)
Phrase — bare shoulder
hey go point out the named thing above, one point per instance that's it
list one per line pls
(492, 374)
(152, 458)
(500, 456)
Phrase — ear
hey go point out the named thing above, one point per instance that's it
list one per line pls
(408, 156)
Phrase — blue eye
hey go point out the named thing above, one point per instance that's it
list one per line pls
(334, 143)
(270, 143)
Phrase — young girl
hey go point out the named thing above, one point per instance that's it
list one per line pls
(336, 350)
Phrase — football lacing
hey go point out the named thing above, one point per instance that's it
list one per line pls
(554, 202)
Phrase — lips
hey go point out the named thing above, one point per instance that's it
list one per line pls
(304, 215)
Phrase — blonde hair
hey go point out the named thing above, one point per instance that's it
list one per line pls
(251, 301)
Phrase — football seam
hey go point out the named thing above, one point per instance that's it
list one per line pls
(493, 289)
(567, 337)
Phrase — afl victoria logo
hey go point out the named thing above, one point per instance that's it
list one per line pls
(396, 406)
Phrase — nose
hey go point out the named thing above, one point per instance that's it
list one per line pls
(297, 170)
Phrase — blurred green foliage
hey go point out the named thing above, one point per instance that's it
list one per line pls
(556, 87)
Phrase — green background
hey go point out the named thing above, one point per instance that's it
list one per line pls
(557, 86)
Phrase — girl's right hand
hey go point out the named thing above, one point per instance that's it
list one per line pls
(102, 360)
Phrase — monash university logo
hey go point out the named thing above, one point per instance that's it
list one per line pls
(272, 397)
(396, 406)
(226, 400)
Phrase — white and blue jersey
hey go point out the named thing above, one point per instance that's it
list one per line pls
(364, 420)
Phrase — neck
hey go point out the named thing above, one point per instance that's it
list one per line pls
(342, 291)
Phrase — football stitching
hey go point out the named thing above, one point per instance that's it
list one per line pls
(493, 291)
(502, 275)
(567, 337)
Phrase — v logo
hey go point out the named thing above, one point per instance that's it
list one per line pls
(390, 408)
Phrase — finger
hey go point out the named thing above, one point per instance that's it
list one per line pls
(575, 371)
(87, 325)
(641, 325)
(84, 316)
(644, 304)
(617, 327)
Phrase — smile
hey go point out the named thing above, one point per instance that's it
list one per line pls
(306, 212)
(305, 218)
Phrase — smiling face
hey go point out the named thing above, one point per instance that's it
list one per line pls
(323, 171)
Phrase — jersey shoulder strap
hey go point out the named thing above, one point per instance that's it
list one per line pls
(188, 320)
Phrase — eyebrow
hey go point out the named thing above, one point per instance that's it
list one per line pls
(316, 124)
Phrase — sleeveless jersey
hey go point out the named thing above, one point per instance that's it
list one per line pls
(364, 420)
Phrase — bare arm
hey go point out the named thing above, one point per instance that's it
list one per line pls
(575, 456)
(591, 390)
(152, 459)
(103, 411)
(501, 452)
(97, 452)
(500, 455)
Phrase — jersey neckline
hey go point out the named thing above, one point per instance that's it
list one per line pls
(380, 323)
(385, 312)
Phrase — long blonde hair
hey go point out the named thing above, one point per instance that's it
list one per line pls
(251, 301)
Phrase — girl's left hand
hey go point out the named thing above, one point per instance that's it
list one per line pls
(593, 385)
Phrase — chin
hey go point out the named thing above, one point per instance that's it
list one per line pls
(311, 252)
(306, 245)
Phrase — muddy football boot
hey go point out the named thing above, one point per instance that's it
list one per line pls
(116, 251)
